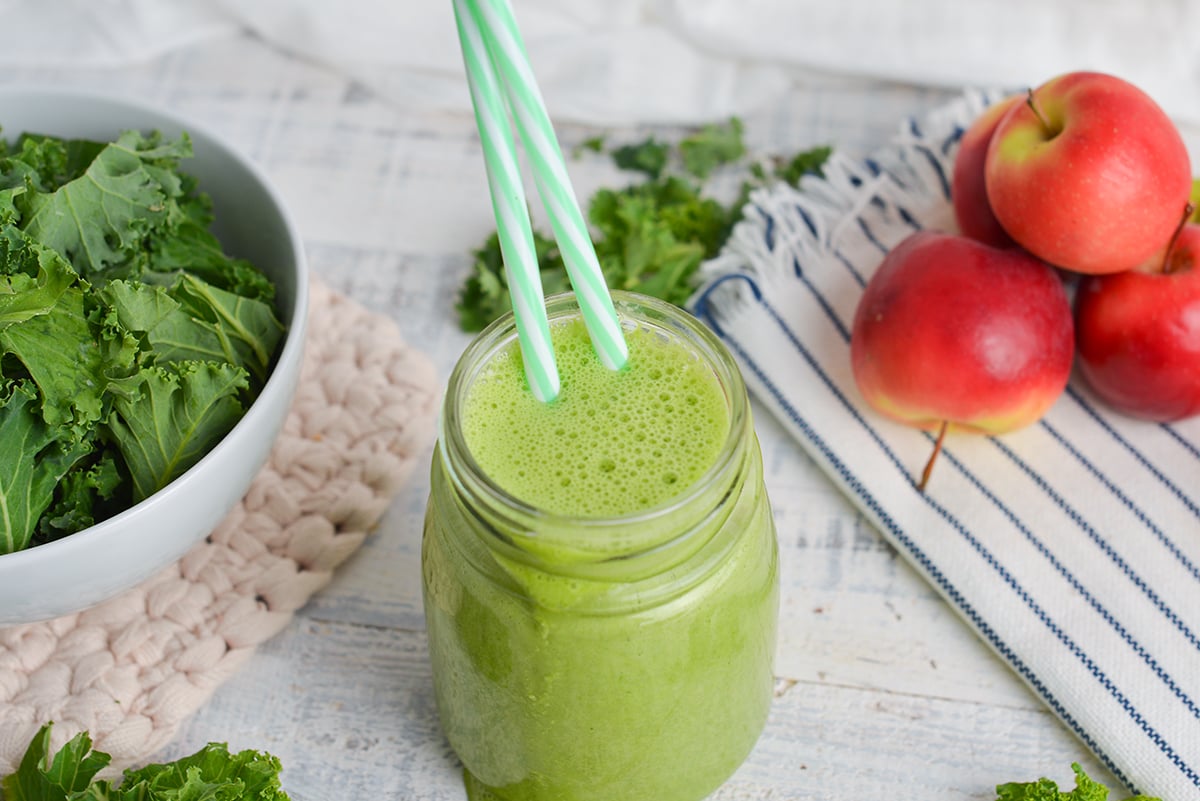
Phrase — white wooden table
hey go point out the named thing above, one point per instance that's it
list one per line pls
(883, 692)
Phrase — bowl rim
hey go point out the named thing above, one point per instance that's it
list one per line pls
(276, 384)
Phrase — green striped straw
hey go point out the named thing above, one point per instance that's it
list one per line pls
(513, 227)
(506, 49)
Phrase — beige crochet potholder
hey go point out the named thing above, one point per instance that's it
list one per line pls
(130, 670)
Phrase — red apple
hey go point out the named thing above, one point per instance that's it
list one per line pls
(952, 333)
(1138, 334)
(968, 192)
(1089, 174)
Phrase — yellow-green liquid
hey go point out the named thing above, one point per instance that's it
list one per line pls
(613, 442)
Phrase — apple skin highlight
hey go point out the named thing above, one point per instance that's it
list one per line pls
(1094, 180)
(950, 329)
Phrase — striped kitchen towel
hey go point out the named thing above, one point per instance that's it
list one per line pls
(1071, 546)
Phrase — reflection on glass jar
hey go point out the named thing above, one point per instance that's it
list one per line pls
(600, 573)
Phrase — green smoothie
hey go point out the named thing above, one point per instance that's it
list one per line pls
(613, 442)
(600, 572)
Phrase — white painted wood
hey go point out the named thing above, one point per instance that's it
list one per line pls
(883, 691)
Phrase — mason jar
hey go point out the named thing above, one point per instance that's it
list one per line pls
(611, 658)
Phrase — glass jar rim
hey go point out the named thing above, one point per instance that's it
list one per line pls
(535, 525)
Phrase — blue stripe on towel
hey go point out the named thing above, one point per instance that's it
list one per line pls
(909, 218)
(1175, 435)
(850, 268)
(768, 227)
(798, 271)
(948, 143)
(870, 235)
(809, 222)
(1141, 458)
(1077, 518)
(1077, 585)
(1128, 503)
(938, 169)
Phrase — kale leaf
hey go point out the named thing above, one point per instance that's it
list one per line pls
(485, 296)
(130, 343)
(211, 774)
(35, 460)
(711, 147)
(1086, 789)
(99, 218)
(166, 417)
(651, 236)
(64, 775)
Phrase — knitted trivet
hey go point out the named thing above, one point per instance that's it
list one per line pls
(130, 670)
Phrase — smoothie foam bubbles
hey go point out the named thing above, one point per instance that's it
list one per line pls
(613, 442)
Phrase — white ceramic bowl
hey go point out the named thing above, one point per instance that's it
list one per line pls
(95, 564)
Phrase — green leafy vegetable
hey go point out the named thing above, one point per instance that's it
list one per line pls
(28, 481)
(211, 774)
(1086, 789)
(652, 236)
(66, 361)
(649, 157)
(34, 277)
(63, 775)
(166, 417)
(84, 494)
(96, 218)
(711, 147)
(129, 341)
(593, 143)
(484, 295)
(213, 324)
(808, 162)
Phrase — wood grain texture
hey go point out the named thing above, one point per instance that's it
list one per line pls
(883, 691)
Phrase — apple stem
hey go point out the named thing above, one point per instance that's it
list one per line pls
(937, 448)
(1037, 112)
(1188, 208)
